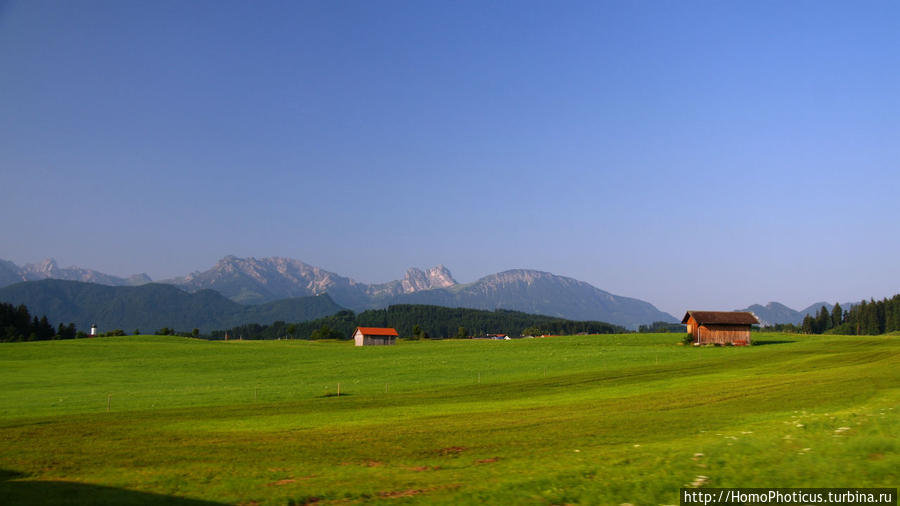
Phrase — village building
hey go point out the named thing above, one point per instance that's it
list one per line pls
(374, 336)
(720, 327)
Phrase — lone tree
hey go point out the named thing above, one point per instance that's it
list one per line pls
(532, 331)
(418, 333)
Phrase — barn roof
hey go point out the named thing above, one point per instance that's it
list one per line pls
(377, 331)
(722, 317)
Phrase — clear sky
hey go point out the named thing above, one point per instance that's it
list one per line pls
(692, 154)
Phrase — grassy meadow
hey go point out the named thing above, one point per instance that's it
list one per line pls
(582, 419)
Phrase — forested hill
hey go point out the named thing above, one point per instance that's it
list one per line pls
(435, 321)
(153, 306)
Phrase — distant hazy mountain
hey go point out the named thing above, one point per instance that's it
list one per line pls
(774, 312)
(10, 273)
(48, 269)
(543, 293)
(813, 309)
(152, 306)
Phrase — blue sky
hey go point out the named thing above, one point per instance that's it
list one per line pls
(692, 154)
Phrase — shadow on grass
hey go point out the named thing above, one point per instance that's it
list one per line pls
(66, 492)
(764, 342)
(342, 394)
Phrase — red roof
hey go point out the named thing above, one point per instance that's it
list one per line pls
(377, 331)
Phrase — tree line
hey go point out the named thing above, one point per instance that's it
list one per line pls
(872, 317)
(17, 324)
(422, 321)
(662, 327)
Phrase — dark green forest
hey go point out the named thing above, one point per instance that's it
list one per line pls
(17, 324)
(413, 320)
(866, 318)
(662, 327)
(154, 306)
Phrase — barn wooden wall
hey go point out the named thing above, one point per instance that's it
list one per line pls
(378, 340)
(724, 334)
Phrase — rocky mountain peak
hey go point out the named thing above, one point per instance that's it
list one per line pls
(526, 276)
(139, 279)
(440, 277)
(417, 280)
(47, 266)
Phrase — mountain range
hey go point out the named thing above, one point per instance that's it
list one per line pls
(256, 281)
(263, 280)
(48, 269)
(536, 292)
(253, 281)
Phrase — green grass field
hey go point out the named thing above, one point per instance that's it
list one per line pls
(589, 419)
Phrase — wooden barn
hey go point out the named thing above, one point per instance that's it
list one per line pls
(720, 327)
(374, 336)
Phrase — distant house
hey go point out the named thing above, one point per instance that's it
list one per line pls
(720, 327)
(374, 336)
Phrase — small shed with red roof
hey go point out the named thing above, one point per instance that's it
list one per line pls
(374, 336)
(720, 327)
